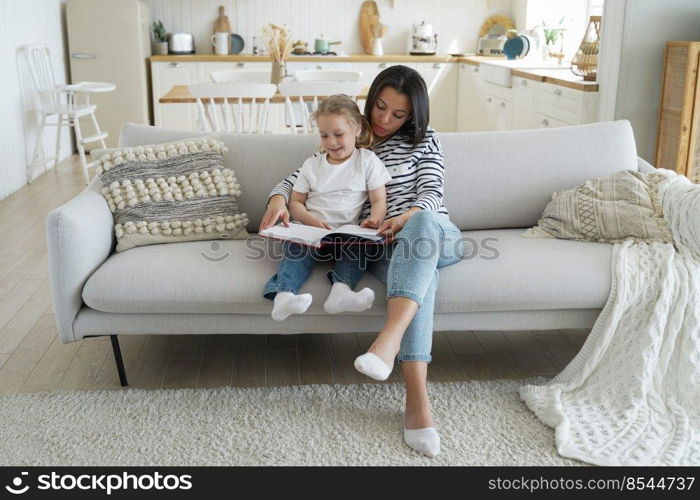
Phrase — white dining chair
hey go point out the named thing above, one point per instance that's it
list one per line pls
(301, 100)
(326, 75)
(240, 76)
(217, 103)
(60, 101)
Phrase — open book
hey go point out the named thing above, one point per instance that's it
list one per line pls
(317, 237)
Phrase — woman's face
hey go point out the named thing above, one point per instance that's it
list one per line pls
(391, 110)
(338, 136)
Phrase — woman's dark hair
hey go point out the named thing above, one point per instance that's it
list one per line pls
(409, 82)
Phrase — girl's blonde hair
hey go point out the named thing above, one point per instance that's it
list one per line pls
(343, 105)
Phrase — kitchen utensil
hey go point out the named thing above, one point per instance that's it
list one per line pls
(422, 40)
(220, 43)
(369, 16)
(180, 43)
(237, 44)
(513, 47)
(300, 47)
(377, 48)
(526, 43)
(323, 45)
(490, 45)
(221, 25)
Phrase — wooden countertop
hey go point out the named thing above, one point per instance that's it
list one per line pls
(293, 58)
(180, 94)
(563, 77)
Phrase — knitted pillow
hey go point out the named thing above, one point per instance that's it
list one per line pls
(167, 193)
(609, 209)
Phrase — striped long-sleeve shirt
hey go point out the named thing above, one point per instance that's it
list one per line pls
(418, 175)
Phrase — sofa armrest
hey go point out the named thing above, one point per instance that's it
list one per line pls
(80, 237)
(644, 167)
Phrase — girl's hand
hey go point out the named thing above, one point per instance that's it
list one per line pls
(390, 227)
(371, 223)
(276, 210)
(316, 222)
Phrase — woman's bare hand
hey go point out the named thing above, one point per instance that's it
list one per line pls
(276, 210)
(371, 223)
(316, 222)
(390, 227)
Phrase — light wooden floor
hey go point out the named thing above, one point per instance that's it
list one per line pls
(33, 359)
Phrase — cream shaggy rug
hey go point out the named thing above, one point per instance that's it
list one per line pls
(480, 423)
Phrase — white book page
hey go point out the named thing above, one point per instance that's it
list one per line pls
(296, 232)
(355, 230)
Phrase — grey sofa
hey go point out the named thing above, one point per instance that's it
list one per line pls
(497, 184)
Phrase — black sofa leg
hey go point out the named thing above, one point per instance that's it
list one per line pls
(118, 360)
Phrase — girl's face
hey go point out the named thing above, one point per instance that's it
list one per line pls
(338, 136)
(391, 110)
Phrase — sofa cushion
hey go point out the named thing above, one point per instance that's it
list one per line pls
(492, 179)
(501, 271)
(172, 192)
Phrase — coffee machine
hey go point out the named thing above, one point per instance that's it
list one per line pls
(422, 42)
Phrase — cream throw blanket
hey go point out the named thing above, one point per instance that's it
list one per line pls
(632, 394)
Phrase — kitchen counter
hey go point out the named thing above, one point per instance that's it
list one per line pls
(563, 77)
(345, 58)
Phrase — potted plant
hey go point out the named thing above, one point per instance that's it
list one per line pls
(161, 38)
(552, 35)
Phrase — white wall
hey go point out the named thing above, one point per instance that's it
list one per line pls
(455, 21)
(648, 25)
(24, 22)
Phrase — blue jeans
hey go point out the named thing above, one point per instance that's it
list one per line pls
(409, 268)
(299, 261)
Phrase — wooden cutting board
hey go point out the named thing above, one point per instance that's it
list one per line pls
(221, 25)
(369, 15)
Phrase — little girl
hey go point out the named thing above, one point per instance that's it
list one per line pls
(329, 192)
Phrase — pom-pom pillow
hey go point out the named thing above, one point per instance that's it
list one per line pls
(167, 193)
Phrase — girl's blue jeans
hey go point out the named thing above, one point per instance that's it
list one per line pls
(409, 268)
(299, 261)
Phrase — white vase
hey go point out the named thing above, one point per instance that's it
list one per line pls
(377, 49)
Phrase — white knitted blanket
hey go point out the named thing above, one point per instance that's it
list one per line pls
(631, 396)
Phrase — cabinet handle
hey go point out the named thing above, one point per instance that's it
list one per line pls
(240, 65)
(523, 83)
(557, 92)
(173, 65)
(476, 69)
(488, 99)
(319, 67)
(503, 104)
(382, 65)
(438, 65)
(545, 122)
(82, 55)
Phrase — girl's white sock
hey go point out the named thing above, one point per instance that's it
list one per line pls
(287, 303)
(372, 365)
(343, 299)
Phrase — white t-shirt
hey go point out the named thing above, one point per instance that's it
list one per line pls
(336, 193)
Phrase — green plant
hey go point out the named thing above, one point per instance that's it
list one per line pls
(551, 35)
(159, 31)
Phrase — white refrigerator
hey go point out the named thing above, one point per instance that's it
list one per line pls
(109, 41)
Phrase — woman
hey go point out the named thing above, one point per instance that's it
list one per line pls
(422, 239)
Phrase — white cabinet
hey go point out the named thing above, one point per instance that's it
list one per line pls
(442, 81)
(525, 94)
(205, 69)
(471, 108)
(165, 75)
(497, 107)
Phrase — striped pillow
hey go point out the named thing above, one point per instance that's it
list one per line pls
(174, 192)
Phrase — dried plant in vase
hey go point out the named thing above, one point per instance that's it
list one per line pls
(279, 45)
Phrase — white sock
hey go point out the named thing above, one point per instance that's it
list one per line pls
(425, 441)
(287, 303)
(343, 299)
(372, 365)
